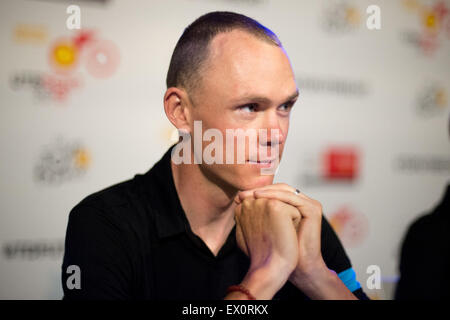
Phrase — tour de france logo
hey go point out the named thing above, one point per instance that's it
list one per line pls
(432, 100)
(62, 160)
(99, 57)
(434, 25)
(69, 57)
(351, 226)
(341, 17)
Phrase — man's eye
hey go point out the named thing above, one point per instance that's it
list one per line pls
(248, 108)
(285, 107)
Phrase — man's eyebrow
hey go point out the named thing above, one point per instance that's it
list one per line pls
(293, 96)
(262, 100)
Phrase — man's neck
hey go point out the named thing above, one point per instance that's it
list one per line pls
(209, 208)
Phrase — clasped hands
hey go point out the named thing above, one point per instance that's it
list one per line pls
(280, 231)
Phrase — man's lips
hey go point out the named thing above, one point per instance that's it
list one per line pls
(266, 161)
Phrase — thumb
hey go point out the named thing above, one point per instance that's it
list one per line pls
(240, 240)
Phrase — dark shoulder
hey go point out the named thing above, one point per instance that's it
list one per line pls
(428, 228)
(111, 196)
(434, 224)
(120, 206)
(436, 220)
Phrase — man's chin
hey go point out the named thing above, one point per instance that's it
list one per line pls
(256, 182)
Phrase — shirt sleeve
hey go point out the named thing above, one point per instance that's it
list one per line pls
(96, 264)
(337, 260)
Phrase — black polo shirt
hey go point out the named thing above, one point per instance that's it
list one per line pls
(425, 256)
(132, 240)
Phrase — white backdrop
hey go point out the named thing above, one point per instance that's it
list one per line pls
(368, 137)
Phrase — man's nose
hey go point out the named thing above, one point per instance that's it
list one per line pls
(274, 134)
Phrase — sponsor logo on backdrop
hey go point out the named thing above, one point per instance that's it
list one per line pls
(30, 34)
(433, 25)
(351, 226)
(340, 164)
(338, 86)
(100, 57)
(414, 163)
(62, 161)
(44, 85)
(334, 165)
(33, 249)
(341, 17)
(67, 58)
(432, 101)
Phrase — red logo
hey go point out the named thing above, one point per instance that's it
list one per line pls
(340, 163)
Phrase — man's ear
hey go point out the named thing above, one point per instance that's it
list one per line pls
(175, 106)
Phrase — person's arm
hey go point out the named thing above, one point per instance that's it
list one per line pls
(263, 284)
(322, 283)
(95, 244)
(336, 259)
(335, 279)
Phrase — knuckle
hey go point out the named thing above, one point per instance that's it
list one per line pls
(260, 203)
(284, 185)
(246, 203)
(317, 207)
(272, 204)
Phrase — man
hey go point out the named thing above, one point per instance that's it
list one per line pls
(426, 247)
(211, 230)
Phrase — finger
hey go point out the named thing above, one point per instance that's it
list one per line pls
(284, 187)
(244, 194)
(240, 239)
(288, 197)
(237, 212)
(278, 208)
(239, 234)
(282, 195)
(277, 186)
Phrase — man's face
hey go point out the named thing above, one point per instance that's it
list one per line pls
(247, 84)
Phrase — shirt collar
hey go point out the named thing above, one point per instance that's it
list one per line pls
(164, 203)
